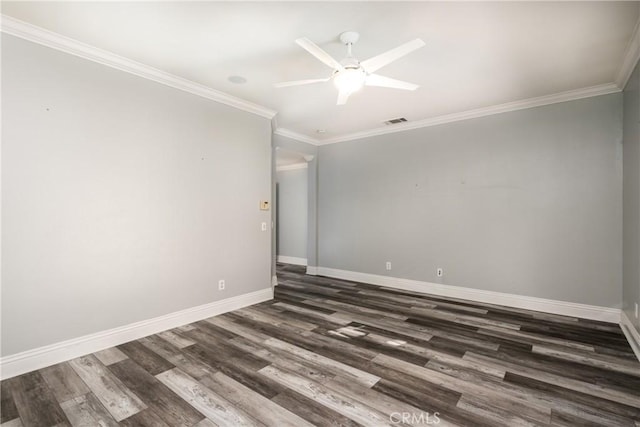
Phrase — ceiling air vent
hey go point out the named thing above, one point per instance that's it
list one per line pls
(395, 121)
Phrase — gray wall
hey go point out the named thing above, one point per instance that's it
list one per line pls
(291, 224)
(526, 202)
(122, 199)
(631, 200)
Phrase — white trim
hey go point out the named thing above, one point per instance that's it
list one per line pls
(293, 167)
(571, 95)
(631, 57)
(540, 101)
(62, 43)
(312, 270)
(274, 281)
(565, 308)
(297, 136)
(292, 260)
(632, 334)
(38, 358)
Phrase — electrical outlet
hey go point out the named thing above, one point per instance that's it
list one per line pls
(388, 265)
(221, 285)
(264, 226)
(439, 272)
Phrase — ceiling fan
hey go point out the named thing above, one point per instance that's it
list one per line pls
(350, 75)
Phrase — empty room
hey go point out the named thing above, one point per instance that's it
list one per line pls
(287, 213)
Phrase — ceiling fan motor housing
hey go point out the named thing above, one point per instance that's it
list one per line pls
(349, 75)
(350, 62)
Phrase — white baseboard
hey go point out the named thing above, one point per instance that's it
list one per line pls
(292, 260)
(632, 334)
(605, 314)
(38, 358)
(312, 271)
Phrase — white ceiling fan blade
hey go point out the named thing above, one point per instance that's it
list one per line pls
(377, 62)
(299, 82)
(382, 81)
(314, 50)
(343, 96)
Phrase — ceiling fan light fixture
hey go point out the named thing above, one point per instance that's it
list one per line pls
(349, 80)
(350, 75)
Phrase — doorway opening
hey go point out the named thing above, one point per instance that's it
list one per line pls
(291, 207)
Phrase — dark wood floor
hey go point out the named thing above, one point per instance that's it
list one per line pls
(329, 352)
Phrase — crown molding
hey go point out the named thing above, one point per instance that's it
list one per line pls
(293, 167)
(297, 136)
(571, 95)
(274, 123)
(68, 45)
(631, 57)
(62, 43)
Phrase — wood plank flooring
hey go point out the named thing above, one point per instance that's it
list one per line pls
(329, 352)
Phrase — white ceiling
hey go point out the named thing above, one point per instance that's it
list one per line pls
(477, 54)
